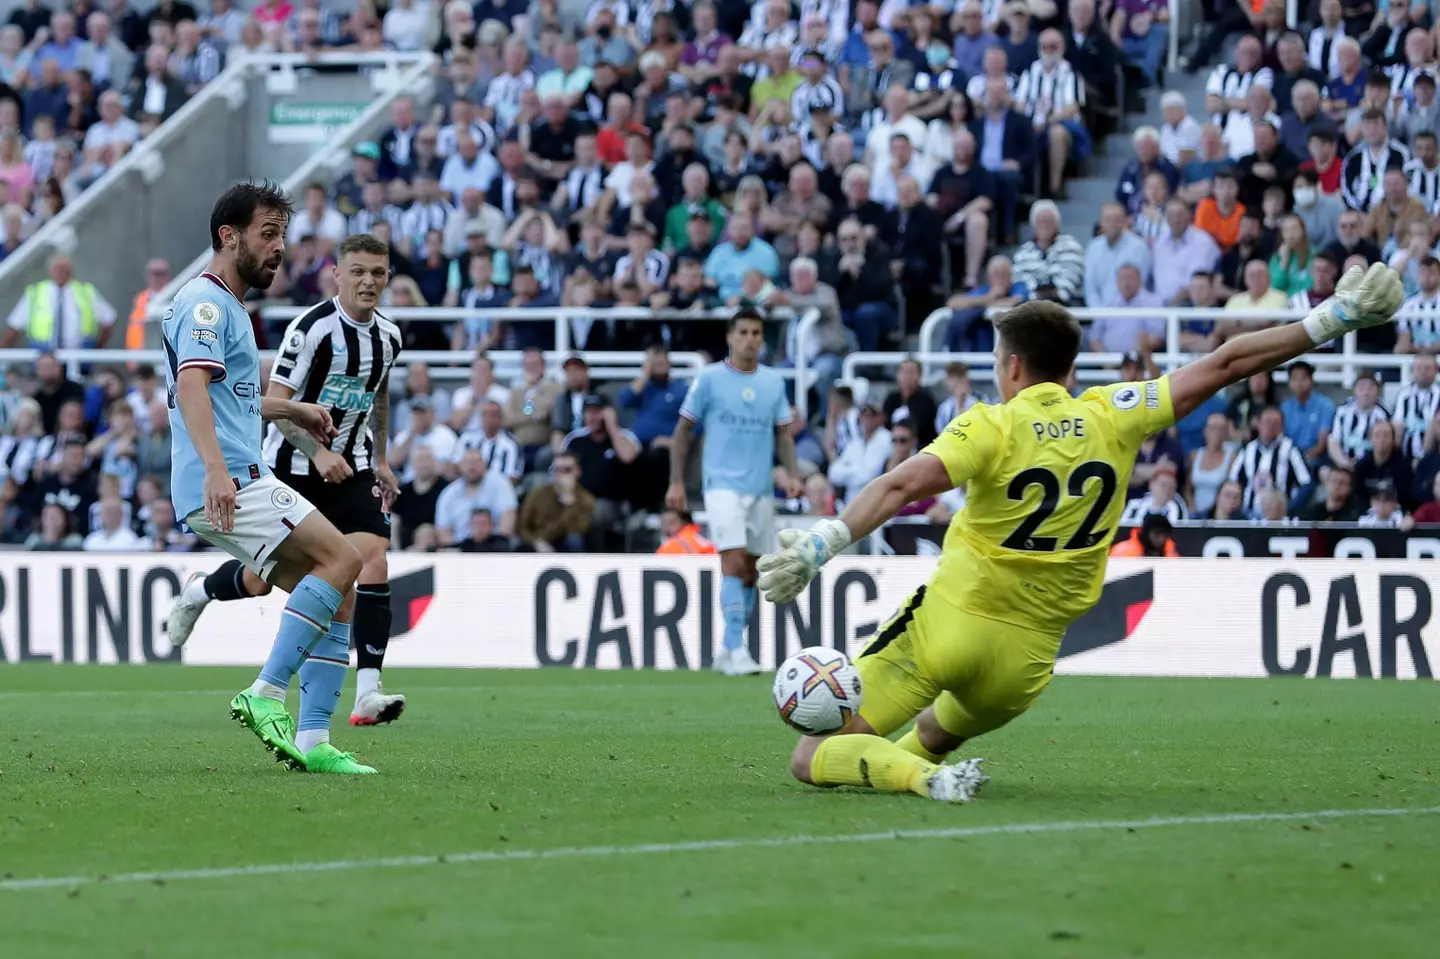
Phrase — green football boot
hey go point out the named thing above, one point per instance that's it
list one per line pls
(325, 758)
(272, 722)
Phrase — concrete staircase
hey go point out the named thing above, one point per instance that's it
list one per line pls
(1080, 213)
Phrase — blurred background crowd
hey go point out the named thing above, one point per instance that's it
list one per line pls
(876, 162)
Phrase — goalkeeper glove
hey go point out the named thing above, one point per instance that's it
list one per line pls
(786, 573)
(1363, 298)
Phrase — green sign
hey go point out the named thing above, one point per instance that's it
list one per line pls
(292, 122)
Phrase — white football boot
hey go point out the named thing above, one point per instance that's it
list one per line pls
(721, 662)
(957, 783)
(741, 663)
(376, 708)
(186, 610)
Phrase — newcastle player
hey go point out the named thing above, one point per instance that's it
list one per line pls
(339, 355)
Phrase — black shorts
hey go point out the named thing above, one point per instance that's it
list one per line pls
(353, 506)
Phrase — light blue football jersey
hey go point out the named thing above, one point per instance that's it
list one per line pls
(739, 413)
(207, 328)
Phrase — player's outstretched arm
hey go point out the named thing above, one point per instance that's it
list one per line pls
(1363, 298)
(279, 400)
(310, 417)
(785, 574)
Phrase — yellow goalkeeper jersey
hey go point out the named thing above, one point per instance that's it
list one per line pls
(1046, 476)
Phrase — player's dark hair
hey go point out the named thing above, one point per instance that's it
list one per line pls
(362, 243)
(742, 314)
(1044, 335)
(239, 205)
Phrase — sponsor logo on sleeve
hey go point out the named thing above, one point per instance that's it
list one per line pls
(294, 341)
(203, 336)
(1125, 398)
(206, 314)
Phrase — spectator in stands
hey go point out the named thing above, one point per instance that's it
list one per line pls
(1179, 253)
(1290, 266)
(863, 457)
(1319, 211)
(743, 251)
(481, 536)
(422, 431)
(317, 218)
(1325, 162)
(960, 395)
(1006, 149)
(476, 488)
(1092, 52)
(1180, 133)
(1339, 505)
(1128, 333)
(1385, 509)
(1420, 114)
(465, 402)
(1162, 497)
(1362, 176)
(973, 37)
(968, 329)
(56, 532)
(1385, 465)
(1268, 165)
(1196, 177)
(1253, 243)
(1229, 504)
(654, 401)
(1147, 160)
(962, 194)
(1239, 129)
(1116, 246)
(1221, 214)
(1419, 323)
(1051, 265)
(604, 451)
(1208, 468)
(911, 401)
(60, 312)
(1051, 94)
(917, 255)
(397, 144)
(1350, 239)
(558, 515)
(1350, 433)
(1258, 294)
(1429, 511)
(1308, 414)
(1150, 538)
(1395, 210)
(860, 276)
(532, 405)
(467, 169)
(500, 449)
(682, 535)
(1303, 119)
(1270, 460)
(415, 507)
(71, 485)
(156, 92)
(1292, 72)
(112, 534)
(1416, 406)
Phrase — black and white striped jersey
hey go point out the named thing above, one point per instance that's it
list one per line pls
(1322, 52)
(1040, 93)
(501, 452)
(1424, 184)
(1415, 408)
(1282, 463)
(330, 359)
(18, 455)
(1420, 317)
(1352, 427)
(1362, 177)
(827, 93)
(1228, 83)
(656, 267)
(1137, 509)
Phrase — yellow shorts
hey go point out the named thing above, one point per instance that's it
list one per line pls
(978, 673)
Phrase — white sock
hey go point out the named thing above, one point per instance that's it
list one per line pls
(268, 690)
(366, 681)
(195, 592)
(308, 739)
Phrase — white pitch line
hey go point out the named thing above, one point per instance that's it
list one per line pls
(703, 845)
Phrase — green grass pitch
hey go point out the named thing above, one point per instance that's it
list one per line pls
(114, 771)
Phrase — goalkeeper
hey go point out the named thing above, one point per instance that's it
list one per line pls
(1046, 473)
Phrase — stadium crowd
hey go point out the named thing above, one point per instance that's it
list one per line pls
(870, 160)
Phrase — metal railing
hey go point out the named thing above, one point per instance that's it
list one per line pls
(1348, 360)
(415, 72)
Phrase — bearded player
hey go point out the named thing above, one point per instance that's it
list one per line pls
(229, 497)
(973, 648)
(338, 354)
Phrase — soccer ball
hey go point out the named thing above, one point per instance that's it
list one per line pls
(817, 690)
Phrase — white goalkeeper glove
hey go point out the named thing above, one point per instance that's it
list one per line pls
(1363, 298)
(786, 573)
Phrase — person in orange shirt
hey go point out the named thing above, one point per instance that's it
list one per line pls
(1220, 215)
(157, 276)
(682, 535)
(1151, 539)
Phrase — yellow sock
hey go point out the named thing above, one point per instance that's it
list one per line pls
(869, 761)
(910, 742)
